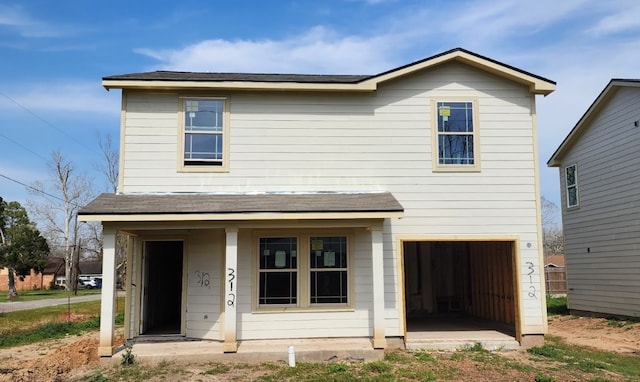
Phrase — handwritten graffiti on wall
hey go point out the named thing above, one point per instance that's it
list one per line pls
(203, 279)
(532, 287)
(231, 296)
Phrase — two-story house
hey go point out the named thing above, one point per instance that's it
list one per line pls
(599, 167)
(277, 206)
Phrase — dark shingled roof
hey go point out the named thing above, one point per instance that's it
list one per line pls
(154, 204)
(239, 77)
(54, 266)
(90, 267)
(292, 78)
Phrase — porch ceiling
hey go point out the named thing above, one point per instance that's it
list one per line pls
(265, 206)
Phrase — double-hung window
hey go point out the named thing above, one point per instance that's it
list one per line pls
(571, 180)
(204, 134)
(328, 270)
(278, 271)
(303, 272)
(455, 135)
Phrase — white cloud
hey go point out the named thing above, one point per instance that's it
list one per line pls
(319, 50)
(15, 17)
(624, 17)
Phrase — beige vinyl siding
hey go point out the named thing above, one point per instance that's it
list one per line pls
(205, 253)
(366, 142)
(606, 278)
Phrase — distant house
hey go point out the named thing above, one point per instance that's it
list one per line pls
(35, 280)
(289, 206)
(87, 270)
(90, 270)
(599, 163)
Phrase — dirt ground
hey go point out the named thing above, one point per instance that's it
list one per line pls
(60, 360)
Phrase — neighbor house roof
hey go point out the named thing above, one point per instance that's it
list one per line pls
(261, 206)
(55, 265)
(556, 261)
(90, 267)
(249, 81)
(593, 110)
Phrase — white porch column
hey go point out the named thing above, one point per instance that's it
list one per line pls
(230, 344)
(108, 304)
(377, 266)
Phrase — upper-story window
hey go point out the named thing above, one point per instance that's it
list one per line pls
(571, 181)
(456, 137)
(205, 137)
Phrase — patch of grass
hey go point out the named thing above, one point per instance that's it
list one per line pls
(97, 377)
(48, 331)
(36, 325)
(141, 372)
(19, 321)
(557, 305)
(547, 351)
(588, 360)
(43, 294)
(543, 378)
(424, 357)
(397, 357)
(379, 367)
(217, 369)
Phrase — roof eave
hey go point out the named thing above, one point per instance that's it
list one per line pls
(236, 85)
(536, 84)
(154, 217)
(556, 158)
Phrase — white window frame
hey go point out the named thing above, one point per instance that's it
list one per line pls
(201, 166)
(574, 186)
(304, 271)
(435, 120)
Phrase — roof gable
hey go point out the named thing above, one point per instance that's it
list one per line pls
(249, 81)
(598, 104)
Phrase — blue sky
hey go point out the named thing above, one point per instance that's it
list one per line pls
(53, 55)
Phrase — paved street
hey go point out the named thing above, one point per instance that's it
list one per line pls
(26, 305)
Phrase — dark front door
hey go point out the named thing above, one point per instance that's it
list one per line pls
(162, 293)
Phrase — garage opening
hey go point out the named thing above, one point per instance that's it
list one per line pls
(459, 289)
(162, 290)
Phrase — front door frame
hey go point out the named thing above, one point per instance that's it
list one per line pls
(142, 263)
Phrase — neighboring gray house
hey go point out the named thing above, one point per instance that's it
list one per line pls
(263, 206)
(599, 164)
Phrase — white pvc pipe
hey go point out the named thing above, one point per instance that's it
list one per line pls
(292, 356)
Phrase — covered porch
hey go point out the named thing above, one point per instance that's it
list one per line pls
(214, 244)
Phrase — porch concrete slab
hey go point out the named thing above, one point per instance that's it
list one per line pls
(456, 333)
(255, 351)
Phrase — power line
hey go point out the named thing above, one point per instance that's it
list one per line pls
(38, 190)
(23, 146)
(45, 121)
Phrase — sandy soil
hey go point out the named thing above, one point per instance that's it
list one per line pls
(58, 360)
(610, 335)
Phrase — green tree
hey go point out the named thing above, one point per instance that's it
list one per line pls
(22, 247)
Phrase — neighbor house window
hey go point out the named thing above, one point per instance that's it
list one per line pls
(204, 134)
(303, 271)
(571, 179)
(456, 134)
(278, 271)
